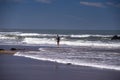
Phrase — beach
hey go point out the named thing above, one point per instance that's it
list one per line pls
(59, 40)
(21, 68)
(80, 56)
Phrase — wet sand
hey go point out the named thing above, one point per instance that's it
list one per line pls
(21, 68)
(7, 52)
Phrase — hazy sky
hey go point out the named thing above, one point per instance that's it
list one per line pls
(60, 14)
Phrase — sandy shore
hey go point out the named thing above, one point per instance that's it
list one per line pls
(7, 49)
(7, 52)
(20, 68)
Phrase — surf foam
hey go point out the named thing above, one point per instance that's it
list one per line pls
(57, 57)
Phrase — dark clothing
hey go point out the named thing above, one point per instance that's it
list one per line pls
(58, 39)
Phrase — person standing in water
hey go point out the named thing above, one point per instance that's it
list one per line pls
(58, 40)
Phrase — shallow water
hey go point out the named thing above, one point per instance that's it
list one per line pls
(87, 48)
(85, 56)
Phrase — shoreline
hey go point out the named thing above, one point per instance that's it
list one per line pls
(21, 68)
(9, 52)
(12, 49)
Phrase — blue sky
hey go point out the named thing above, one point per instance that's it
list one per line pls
(60, 14)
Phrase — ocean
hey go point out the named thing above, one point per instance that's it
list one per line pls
(93, 48)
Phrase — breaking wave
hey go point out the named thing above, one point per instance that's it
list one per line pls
(49, 39)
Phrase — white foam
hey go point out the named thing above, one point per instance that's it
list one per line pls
(91, 43)
(90, 35)
(71, 43)
(38, 41)
(80, 36)
(35, 34)
(9, 38)
(65, 61)
(29, 34)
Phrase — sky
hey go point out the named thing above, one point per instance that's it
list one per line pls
(60, 14)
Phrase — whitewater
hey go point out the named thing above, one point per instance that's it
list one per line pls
(84, 49)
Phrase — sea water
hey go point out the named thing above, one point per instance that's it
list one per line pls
(92, 48)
